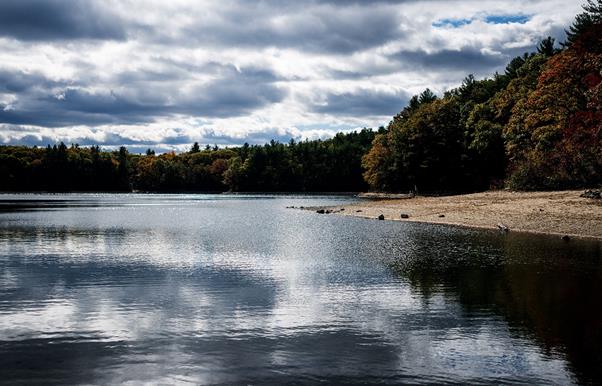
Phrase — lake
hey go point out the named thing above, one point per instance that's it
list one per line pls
(238, 289)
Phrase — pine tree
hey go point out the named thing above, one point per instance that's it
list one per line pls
(584, 21)
(546, 47)
(427, 96)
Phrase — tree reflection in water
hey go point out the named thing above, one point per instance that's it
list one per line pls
(547, 290)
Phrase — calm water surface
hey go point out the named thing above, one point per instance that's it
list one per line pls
(219, 289)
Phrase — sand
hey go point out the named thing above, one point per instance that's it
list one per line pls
(558, 213)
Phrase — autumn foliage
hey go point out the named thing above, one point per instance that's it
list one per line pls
(537, 126)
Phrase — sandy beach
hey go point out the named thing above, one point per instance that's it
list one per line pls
(559, 213)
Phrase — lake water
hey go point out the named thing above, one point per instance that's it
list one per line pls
(222, 289)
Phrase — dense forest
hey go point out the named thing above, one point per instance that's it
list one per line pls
(536, 126)
(332, 165)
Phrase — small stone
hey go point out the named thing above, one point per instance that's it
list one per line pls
(503, 228)
(403, 215)
(593, 194)
(342, 209)
(381, 217)
(320, 211)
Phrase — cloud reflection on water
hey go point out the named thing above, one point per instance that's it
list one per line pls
(212, 291)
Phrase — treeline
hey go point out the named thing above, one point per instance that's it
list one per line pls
(59, 169)
(536, 126)
(332, 165)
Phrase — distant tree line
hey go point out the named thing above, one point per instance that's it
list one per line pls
(332, 165)
(60, 168)
(536, 126)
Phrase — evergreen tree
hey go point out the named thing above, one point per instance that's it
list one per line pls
(427, 96)
(591, 16)
(546, 47)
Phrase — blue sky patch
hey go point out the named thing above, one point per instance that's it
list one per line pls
(507, 19)
(455, 23)
(490, 19)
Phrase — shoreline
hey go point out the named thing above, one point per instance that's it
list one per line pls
(558, 213)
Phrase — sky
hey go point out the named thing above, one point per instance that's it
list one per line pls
(164, 74)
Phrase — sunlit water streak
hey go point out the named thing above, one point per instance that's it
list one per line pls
(210, 289)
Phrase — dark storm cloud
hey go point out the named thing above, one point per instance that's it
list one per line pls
(230, 98)
(58, 19)
(319, 29)
(467, 60)
(43, 102)
(74, 107)
(363, 103)
(18, 82)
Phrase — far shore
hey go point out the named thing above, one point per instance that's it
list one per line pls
(562, 213)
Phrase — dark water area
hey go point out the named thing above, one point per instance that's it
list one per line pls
(220, 289)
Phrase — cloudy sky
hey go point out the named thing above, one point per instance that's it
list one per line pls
(164, 74)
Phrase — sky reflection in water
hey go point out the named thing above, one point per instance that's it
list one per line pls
(239, 289)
